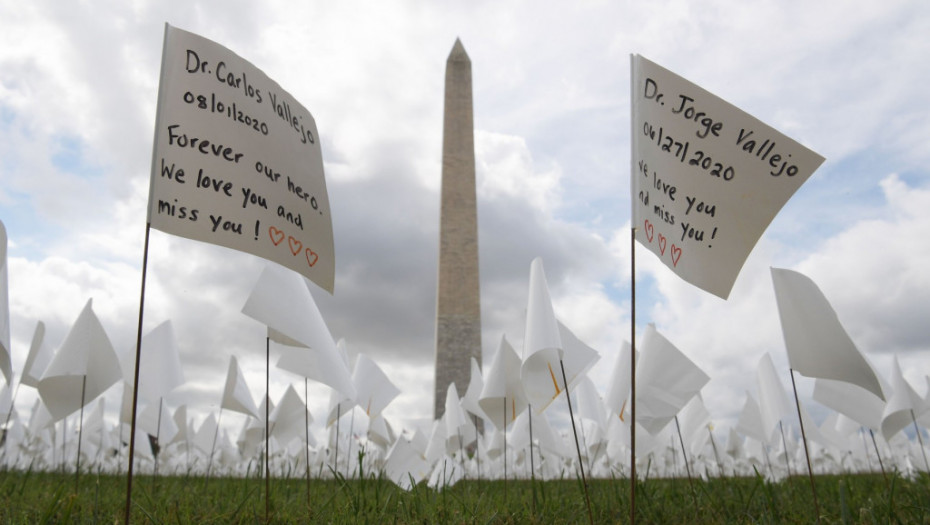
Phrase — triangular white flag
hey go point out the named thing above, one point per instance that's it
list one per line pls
(816, 342)
(236, 395)
(86, 363)
(282, 301)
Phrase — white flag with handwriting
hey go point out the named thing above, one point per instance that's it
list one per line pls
(707, 178)
(237, 160)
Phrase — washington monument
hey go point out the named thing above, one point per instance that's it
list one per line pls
(458, 309)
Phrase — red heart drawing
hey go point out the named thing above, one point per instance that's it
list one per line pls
(294, 245)
(676, 254)
(649, 230)
(276, 235)
(312, 257)
(662, 244)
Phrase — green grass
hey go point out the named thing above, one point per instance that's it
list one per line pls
(28, 497)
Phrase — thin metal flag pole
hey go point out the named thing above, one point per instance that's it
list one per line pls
(684, 455)
(9, 415)
(267, 428)
(77, 460)
(307, 434)
(810, 470)
(784, 442)
(880, 463)
(529, 412)
(571, 415)
(135, 383)
(920, 440)
(633, 375)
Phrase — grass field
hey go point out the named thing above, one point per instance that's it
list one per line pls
(27, 497)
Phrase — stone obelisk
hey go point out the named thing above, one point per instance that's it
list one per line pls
(458, 310)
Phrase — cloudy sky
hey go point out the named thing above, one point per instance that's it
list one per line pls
(78, 87)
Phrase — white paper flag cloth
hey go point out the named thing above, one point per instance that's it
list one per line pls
(38, 359)
(160, 425)
(289, 418)
(374, 391)
(282, 301)
(339, 403)
(773, 400)
(86, 354)
(205, 438)
(236, 395)
(502, 398)
(848, 399)
(665, 381)
(161, 364)
(816, 342)
(704, 189)
(473, 392)
(547, 346)
(903, 401)
(5, 352)
(404, 465)
(275, 164)
(749, 422)
(618, 391)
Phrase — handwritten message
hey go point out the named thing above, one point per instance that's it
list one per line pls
(237, 161)
(707, 178)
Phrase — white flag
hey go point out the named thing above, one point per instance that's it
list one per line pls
(82, 369)
(816, 342)
(237, 160)
(38, 359)
(281, 301)
(665, 381)
(548, 346)
(707, 178)
(5, 352)
(502, 398)
(236, 394)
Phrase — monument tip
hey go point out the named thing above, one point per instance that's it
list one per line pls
(458, 51)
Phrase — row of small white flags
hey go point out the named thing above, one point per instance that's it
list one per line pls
(668, 386)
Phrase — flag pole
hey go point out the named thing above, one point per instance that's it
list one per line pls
(505, 449)
(9, 415)
(571, 415)
(529, 413)
(77, 460)
(810, 470)
(633, 375)
(920, 440)
(135, 383)
(307, 434)
(784, 442)
(216, 433)
(477, 449)
(880, 464)
(684, 455)
(267, 428)
(336, 456)
(713, 445)
(161, 400)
